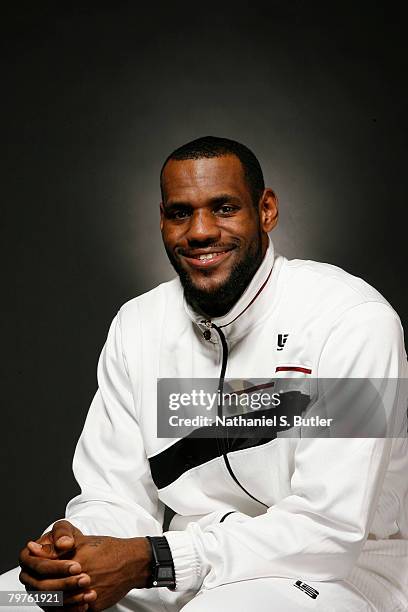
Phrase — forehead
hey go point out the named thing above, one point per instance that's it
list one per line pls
(204, 178)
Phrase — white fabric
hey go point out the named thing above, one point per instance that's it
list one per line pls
(262, 595)
(321, 498)
(279, 595)
(140, 600)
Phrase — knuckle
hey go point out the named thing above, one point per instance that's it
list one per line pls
(57, 527)
(61, 525)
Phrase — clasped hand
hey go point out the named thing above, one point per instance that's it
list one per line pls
(93, 572)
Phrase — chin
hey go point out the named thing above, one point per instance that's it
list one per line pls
(207, 285)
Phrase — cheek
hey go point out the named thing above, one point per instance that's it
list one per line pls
(244, 227)
(168, 234)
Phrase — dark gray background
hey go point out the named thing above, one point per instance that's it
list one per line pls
(94, 99)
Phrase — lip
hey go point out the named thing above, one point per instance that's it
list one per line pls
(218, 257)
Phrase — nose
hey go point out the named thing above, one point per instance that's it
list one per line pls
(203, 227)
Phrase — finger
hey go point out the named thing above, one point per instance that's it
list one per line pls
(26, 556)
(34, 547)
(53, 568)
(42, 547)
(63, 535)
(42, 550)
(46, 538)
(52, 584)
(41, 566)
(80, 598)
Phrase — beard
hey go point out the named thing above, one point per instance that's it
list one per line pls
(218, 301)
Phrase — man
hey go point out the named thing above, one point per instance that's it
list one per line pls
(286, 523)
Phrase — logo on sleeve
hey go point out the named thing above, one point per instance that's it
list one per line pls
(281, 341)
(306, 589)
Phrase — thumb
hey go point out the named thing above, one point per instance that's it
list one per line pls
(63, 535)
(43, 547)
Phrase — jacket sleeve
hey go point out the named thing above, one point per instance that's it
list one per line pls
(318, 530)
(118, 496)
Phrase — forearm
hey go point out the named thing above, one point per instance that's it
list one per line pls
(136, 559)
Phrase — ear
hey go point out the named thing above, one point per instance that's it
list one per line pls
(161, 216)
(268, 210)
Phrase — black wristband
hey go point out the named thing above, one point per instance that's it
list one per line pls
(162, 567)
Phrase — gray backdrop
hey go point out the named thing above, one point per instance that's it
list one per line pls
(94, 99)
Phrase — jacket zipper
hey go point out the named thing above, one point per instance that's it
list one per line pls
(225, 447)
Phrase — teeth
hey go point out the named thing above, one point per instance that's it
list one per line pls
(208, 256)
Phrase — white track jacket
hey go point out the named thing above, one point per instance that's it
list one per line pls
(304, 508)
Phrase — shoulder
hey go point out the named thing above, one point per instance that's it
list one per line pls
(350, 328)
(152, 305)
(144, 320)
(327, 292)
(317, 274)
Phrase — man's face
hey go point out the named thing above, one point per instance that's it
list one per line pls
(211, 230)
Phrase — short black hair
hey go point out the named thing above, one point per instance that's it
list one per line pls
(212, 146)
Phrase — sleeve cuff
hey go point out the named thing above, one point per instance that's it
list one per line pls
(185, 559)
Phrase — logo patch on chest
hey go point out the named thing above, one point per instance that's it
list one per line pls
(281, 341)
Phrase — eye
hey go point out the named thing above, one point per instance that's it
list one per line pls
(178, 213)
(226, 209)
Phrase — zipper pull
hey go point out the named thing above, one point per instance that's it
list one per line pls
(207, 332)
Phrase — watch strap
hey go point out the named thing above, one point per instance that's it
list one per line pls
(162, 566)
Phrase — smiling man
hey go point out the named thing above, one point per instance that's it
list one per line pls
(286, 522)
(213, 232)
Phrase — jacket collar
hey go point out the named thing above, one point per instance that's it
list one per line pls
(248, 309)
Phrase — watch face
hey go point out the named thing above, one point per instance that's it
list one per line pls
(165, 572)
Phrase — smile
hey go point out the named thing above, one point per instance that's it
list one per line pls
(206, 260)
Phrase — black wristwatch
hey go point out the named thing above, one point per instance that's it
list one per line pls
(163, 574)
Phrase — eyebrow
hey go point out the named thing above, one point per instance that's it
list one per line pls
(218, 200)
